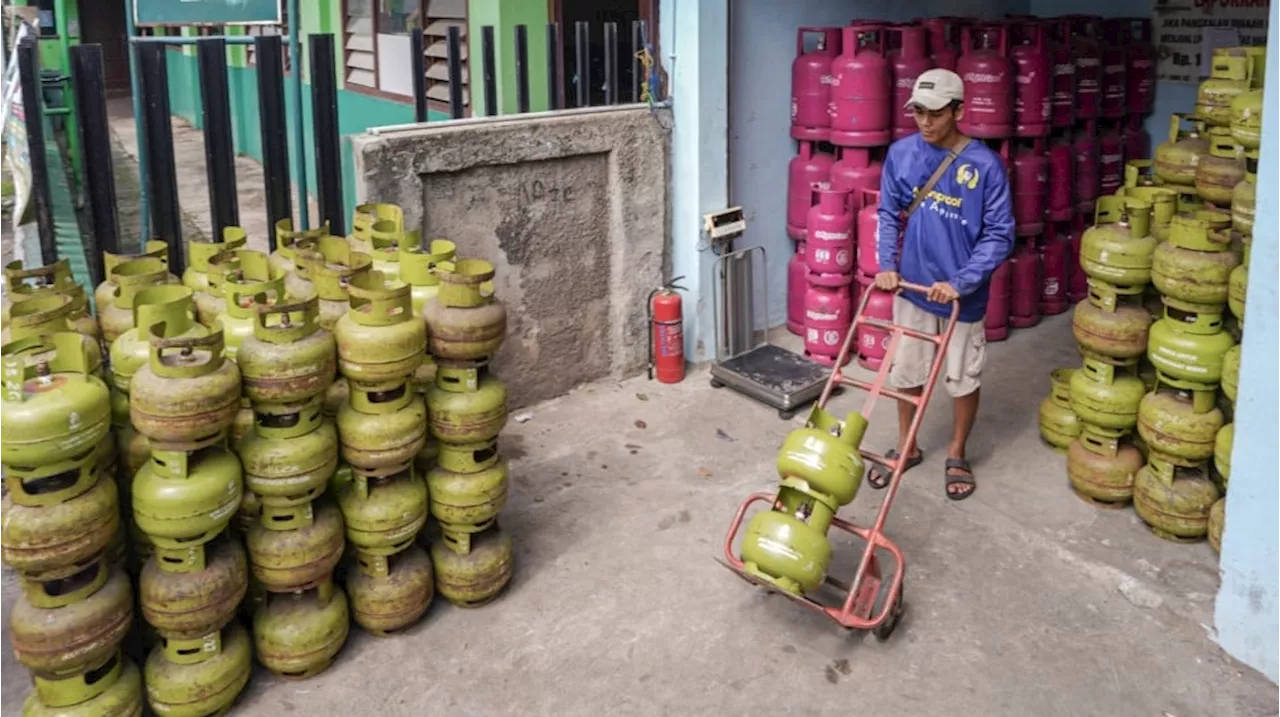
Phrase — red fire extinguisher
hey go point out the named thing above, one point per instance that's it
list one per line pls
(666, 333)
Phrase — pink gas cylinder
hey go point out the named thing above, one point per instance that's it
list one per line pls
(796, 288)
(942, 40)
(996, 321)
(873, 342)
(988, 82)
(829, 245)
(1054, 248)
(1062, 99)
(1030, 187)
(811, 83)
(1085, 145)
(1140, 93)
(1032, 79)
(856, 169)
(1134, 137)
(1024, 303)
(868, 232)
(1110, 160)
(1060, 204)
(828, 314)
(806, 169)
(1077, 280)
(861, 89)
(1115, 67)
(1088, 58)
(908, 58)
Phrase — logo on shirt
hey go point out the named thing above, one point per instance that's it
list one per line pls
(967, 176)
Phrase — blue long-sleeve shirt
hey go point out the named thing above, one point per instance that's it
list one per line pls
(959, 234)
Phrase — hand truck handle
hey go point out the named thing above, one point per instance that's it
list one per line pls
(918, 288)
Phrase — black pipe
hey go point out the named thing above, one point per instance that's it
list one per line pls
(89, 89)
(582, 69)
(490, 70)
(418, 65)
(554, 82)
(454, 39)
(637, 68)
(219, 150)
(611, 63)
(33, 109)
(273, 126)
(324, 110)
(522, 68)
(162, 175)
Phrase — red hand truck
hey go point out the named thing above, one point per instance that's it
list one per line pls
(858, 608)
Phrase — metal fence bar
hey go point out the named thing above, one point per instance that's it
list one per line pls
(418, 66)
(582, 66)
(454, 40)
(268, 52)
(522, 68)
(637, 68)
(611, 63)
(219, 149)
(324, 111)
(554, 81)
(166, 213)
(33, 109)
(490, 71)
(89, 89)
(183, 40)
(295, 90)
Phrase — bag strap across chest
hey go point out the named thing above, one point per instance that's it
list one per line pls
(937, 175)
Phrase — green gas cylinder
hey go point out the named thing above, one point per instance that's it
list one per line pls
(332, 264)
(1222, 444)
(196, 689)
(466, 321)
(419, 269)
(42, 538)
(297, 635)
(466, 503)
(386, 238)
(477, 578)
(1217, 521)
(821, 458)
(288, 459)
(1189, 346)
(62, 642)
(787, 546)
(173, 308)
(1102, 468)
(1174, 497)
(105, 292)
(1111, 324)
(285, 258)
(1059, 425)
(252, 283)
(183, 500)
(187, 391)
(121, 696)
(1106, 397)
(289, 358)
(54, 408)
(382, 515)
(189, 608)
(467, 405)
(389, 594)
(379, 339)
(301, 558)
(382, 430)
(1193, 268)
(116, 317)
(1179, 422)
(1118, 248)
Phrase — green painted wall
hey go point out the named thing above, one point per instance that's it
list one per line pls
(504, 15)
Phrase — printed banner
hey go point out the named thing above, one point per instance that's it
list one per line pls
(1182, 43)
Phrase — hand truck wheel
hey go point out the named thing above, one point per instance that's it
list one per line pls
(786, 414)
(886, 628)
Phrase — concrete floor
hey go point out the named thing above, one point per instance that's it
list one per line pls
(1023, 600)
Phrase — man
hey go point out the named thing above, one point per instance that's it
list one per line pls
(954, 238)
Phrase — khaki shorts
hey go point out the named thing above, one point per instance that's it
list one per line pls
(966, 354)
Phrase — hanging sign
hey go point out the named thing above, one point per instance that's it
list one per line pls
(1182, 43)
(150, 13)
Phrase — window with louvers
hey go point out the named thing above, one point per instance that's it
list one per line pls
(376, 45)
(440, 16)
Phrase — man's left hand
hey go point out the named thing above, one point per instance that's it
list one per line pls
(942, 292)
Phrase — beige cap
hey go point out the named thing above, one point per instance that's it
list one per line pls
(935, 89)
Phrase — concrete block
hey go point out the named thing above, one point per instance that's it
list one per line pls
(570, 208)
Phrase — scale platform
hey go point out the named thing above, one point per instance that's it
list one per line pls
(774, 376)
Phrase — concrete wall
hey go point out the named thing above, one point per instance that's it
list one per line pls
(1249, 599)
(570, 208)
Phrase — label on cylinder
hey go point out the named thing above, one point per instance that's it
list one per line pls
(830, 236)
(670, 339)
(1050, 286)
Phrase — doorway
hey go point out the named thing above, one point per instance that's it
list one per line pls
(596, 13)
(102, 22)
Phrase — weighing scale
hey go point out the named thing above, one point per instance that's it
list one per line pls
(745, 359)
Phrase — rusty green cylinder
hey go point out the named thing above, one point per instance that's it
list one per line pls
(332, 264)
(1189, 346)
(1174, 499)
(197, 689)
(1193, 268)
(1231, 372)
(1105, 396)
(57, 643)
(821, 458)
(477, 578)
(1103, 468)
(1180, 423)
(187, 609)
(383, 514)
(297, 635)
(466, 405)
(196, 275)
(252, 283)
(301, 558)
(1229, 77)
(289, 243)
(394, 593)
(116, 316)
(1110, 327)
(120, 697)
(187, 392)
(104, 293)
(173, 307)
(289, 457)
(1237, 289)
(1221, 169)
(48, 315)
(44, 538)
(381, 430)
(183, 500)
(54, 483)
(1059, 425)
(419, 269)
(1222, 444)
(53, 407)
(1217, 522)
(1118, 248)
(466, 503)
(289, 358)
(379, 339)
(1244, 198)
(1176, 159)
(466, 320)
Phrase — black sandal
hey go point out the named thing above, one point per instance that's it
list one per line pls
(878, 477)
(963, 465)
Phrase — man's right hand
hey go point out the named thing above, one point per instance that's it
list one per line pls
(887, 281)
